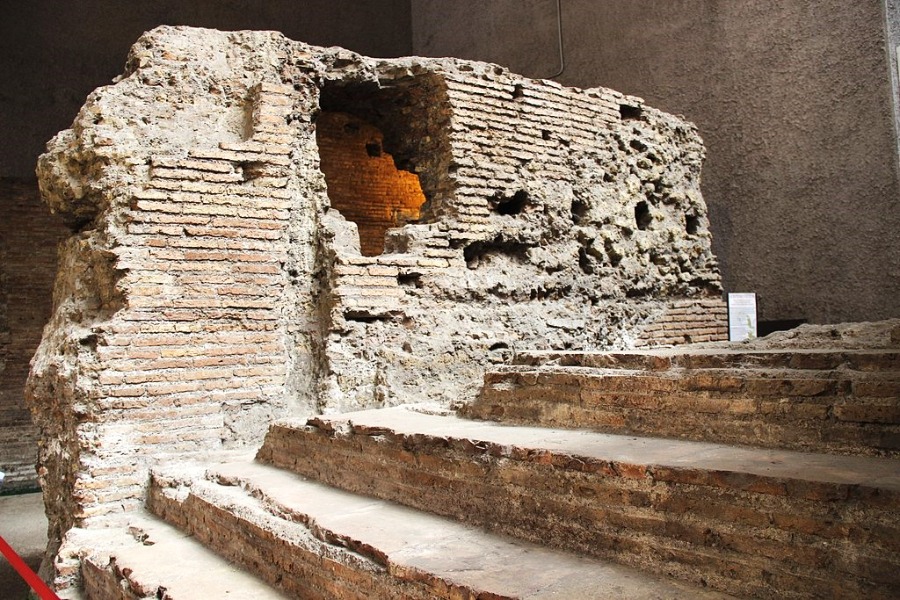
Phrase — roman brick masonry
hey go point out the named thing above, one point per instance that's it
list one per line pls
(26, 283)
(355, 264)
(363, 182)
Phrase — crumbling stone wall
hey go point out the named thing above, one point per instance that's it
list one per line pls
(210, 285)
(563, 218)
(182, 320)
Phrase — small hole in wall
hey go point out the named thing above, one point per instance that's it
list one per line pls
(579, 211)
(410, 279)
(642, 216)
(89, 341)
(630, 113)
(691, 224)
(545, 134)
(518, 92)
(364, 317)
(584, 262)
(510, 205)
(254, 169)
(373, 149)
(637, 145)
(613, 253)
(478, 253)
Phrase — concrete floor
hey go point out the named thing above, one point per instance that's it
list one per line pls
(24, 527)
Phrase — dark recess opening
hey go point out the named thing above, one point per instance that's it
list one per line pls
(373, 149)
(691, 224)
(615, 258)
(410, 279)
(518, 92)
(630, 113)
(579, 211)
(364, 183)
(369, 140)
(511, 205)
(584, 262)
(637, 145)
(366, 317)
(475, 252)
(764, 328)
(642, 216)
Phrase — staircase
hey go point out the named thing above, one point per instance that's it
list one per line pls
(834, 401)
(688, 473)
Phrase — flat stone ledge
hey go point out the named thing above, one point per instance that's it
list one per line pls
(450, 559)
(671, 456)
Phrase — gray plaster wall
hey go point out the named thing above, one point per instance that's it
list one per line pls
(892, 26)
(793, 99)
(55, 52)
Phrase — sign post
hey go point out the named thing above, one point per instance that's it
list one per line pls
(741, 317)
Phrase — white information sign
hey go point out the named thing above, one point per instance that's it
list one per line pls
(741, 317)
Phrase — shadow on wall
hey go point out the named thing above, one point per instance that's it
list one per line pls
(29, 235)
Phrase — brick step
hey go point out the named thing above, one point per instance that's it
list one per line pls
(151, 559)
(313, 541)
(749, 522)
(843, 412)
(692, 357)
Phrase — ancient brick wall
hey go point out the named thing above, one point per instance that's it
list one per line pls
(29, 235)
(512, 134)
(363, 182)
(206, 245)
(565, 218)
(182, 322)
(509, 128)
(686, 322)
(216, 283)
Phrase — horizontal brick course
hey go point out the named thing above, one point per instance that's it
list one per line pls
(691, 521)
(299, 563)
(804, 410)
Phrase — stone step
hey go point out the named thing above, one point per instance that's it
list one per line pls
(749, 522)
(842, 411)
(150, 559)
(699, 357)
(314, 541)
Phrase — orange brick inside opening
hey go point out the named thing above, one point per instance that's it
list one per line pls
(364, 184)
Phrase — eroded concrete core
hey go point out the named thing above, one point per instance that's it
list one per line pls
(212, 285)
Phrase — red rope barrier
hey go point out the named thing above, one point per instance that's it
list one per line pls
(30, 577)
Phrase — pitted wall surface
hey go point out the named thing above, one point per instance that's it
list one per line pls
(794, 101)
(212, 286)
